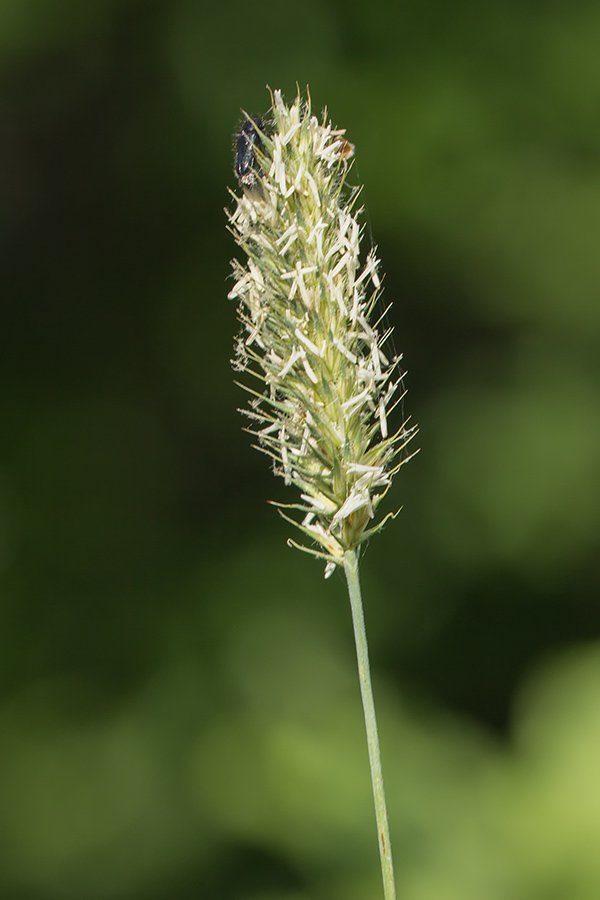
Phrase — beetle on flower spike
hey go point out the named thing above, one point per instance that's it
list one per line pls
(247, 141)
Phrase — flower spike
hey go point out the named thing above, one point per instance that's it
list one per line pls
(327, 386)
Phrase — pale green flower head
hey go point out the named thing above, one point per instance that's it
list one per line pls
(306, 304)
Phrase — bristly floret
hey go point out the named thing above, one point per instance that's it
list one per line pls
(306, 304)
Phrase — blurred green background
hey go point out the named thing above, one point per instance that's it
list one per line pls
(179, 712)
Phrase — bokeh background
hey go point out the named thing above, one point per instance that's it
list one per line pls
(179, 712)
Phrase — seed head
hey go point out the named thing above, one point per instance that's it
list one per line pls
(306, 304)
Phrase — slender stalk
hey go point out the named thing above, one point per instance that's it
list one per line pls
(366, 690)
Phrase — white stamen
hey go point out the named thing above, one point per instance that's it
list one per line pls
(344, 350)
(307, 342)
(309, 371)
(286, 138)
(294, 356)
(355, 402)
(382, 419)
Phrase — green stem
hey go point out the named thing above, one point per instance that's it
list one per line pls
(364, 674)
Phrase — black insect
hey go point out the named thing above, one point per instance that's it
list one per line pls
(246, 142)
